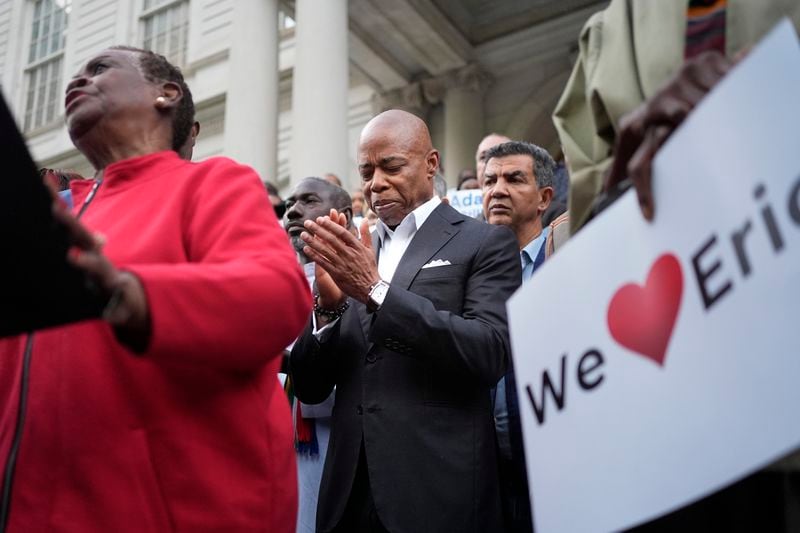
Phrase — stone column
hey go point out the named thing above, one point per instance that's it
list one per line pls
(251, 105)
(320, 87)
(410, 98)
(462, 125)
(463, 120)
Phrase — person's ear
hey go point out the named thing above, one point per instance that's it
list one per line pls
(545, 197)
(432, 162)
(348, 213)
(170, 97)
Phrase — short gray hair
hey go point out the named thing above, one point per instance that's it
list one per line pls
(543, 164)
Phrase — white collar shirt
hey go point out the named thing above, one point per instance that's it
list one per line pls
(394, 243)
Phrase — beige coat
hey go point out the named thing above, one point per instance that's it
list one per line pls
(627, 52)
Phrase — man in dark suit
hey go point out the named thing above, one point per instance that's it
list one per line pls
(413, 341)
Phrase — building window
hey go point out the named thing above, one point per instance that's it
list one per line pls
(286, 24)
(45, 62)
(285, 21)
(165, 28)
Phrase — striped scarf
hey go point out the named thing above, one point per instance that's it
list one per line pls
(305, 432)
(705, 28)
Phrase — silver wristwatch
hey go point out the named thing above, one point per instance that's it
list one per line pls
(377, 294)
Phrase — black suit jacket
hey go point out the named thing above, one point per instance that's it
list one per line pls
(413, 382)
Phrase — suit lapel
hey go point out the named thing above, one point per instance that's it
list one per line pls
(376, 245)
(437, 230)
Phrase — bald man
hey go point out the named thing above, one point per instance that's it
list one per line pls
(487, 143)
(410, 326)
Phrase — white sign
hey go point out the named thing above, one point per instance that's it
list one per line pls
(468, 202)
(658, 362)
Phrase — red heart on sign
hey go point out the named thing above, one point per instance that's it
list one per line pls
(642, 318)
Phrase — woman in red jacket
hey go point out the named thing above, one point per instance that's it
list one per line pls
(167, 414)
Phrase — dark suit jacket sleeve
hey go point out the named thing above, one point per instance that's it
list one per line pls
(474, 342)
(315, 363)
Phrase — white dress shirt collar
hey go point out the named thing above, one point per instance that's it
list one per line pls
(412, 222)
(393, 243)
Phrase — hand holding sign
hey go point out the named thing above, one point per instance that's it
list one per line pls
(707, 292)
(647, 128)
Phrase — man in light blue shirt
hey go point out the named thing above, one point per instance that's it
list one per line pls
(517, 189)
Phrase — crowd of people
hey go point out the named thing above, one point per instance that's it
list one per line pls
(333, 361)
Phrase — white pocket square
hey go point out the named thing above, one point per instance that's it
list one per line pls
(437, 263)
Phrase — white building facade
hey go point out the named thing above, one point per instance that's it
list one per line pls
(290, 98)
